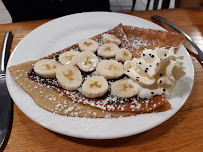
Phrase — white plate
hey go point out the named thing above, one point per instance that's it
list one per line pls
(65, 31)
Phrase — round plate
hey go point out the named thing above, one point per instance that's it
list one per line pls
(65, 31)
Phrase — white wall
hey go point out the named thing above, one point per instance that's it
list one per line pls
(5, 17)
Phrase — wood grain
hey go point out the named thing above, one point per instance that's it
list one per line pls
(182, 132)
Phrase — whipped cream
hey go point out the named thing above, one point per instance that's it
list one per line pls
(155, 72)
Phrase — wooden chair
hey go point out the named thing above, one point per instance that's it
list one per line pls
(165, 4)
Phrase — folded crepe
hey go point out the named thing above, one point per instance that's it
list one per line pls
(51, 97)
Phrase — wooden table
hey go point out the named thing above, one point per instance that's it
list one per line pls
(182, 132)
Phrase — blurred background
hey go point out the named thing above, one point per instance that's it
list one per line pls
(25, 10)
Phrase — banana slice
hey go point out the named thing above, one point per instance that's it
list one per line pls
(109, 38)
(123, 55)
(123, 89)
(46, 68)
(70, 57)
(127, 64)
(95, 86)
(69, 77)
(88, 45)
(87, 61)
(110, 69)
(108, 50)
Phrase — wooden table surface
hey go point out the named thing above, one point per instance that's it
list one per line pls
(182, 132)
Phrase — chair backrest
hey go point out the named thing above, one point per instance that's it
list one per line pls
(165, 4)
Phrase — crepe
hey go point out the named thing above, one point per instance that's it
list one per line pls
(73, 103)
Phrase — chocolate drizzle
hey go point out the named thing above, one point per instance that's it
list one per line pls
(53, 83)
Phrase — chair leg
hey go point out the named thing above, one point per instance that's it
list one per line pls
(177, 3)
(165, 4)
(148, 2)
(133, 6)
(156, 3)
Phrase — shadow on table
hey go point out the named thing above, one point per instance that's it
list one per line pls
(194, 55)
(9, 130)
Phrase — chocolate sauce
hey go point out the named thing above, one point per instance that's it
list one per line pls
(52, 82)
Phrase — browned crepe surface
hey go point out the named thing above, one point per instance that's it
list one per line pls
(58, 101)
